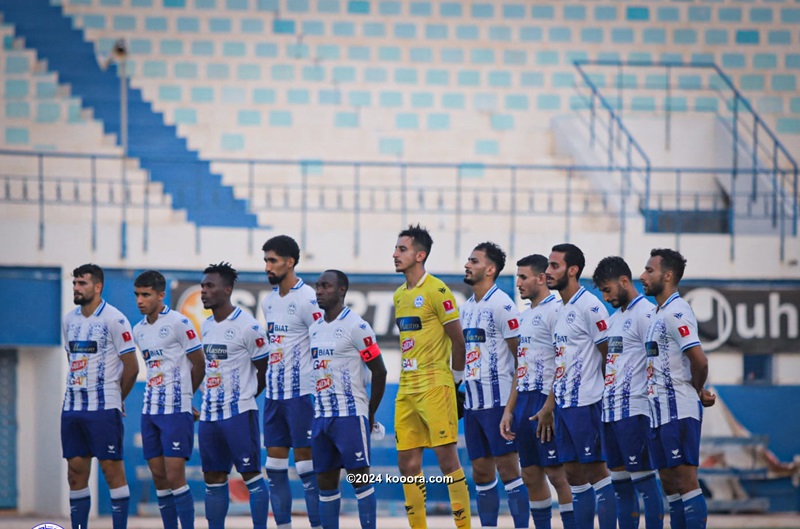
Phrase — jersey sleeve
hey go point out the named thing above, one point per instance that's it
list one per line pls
(597, 322)
(187, 335)
(121, 334)
(311, 311)
(64, 327)
(256, 342)
(365, 341)
(508, 319)
(444, 304)
(643, 323)
(682, 327)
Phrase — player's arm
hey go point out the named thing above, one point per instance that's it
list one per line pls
(459, 351)
(261, 371)
(508, 413)
(130, 370)
(198, 361)
(698, 365)
(378, 385)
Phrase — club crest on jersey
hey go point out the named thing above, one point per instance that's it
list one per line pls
(537, 320)
(163, 332)
(627, 325)
(448, 306)
(571, 316)
(324, 383)
(230, 334)
(419, 301)
(338, 333)
(292, 308)
(407, 345)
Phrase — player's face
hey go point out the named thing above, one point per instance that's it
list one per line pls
(148, 301)
(557, 272)
(328, 291)
(277, 267)
(653, 276)
(213, 291)
(529, 283)
(475, 267)
(84, 289)
(614, 293)
(405, 255)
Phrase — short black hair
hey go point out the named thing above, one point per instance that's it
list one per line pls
(537, 262)
(422, 239)
(90, 269)
(610, 268)
(225, 271)
(671, 260)
(494, 253)
(573, 256)
(151, 278)
(284, 246)
(341, 278)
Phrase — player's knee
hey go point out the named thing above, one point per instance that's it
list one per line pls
(507, 467)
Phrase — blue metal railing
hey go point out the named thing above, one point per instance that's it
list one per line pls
(771, 167)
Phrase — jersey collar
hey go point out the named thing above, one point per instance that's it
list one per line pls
(343, 315)
(670, 299)
(636, 300)
(298, 285)
(548, 299)
(235, 314)
(421, 280)
(581, 291)
(99, 308)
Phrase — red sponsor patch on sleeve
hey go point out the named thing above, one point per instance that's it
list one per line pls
(513, 324)
(448, 305)
(368, 341)
(126, 336)
(601, 325)
(191, 334)
(684, 330)
(260, 342)
(317, 315)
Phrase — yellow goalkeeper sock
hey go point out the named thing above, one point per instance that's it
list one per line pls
(415, 502)
(459, 499)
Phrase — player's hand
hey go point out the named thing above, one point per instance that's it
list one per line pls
(545, 430)
(123, 409)
(707, 399)
(195, 414)
(505, 426)
(460, 398)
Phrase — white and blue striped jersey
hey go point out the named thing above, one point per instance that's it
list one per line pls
(487, 324)
(164, 345)
(341, 375)
(672, 330)
(289, 374)
(536, 358)
(581, 325)
(94, 345)
(230, 347)
(625, 392)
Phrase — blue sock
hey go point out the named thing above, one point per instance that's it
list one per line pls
(166, 506)
(488, 503)
(676, 517)
(627, 501)
(583, 501)
(259, 501)
(695, 510)
(367, 506)
(279, 493)
(311, 490)
(567, 516)
(542, 512)
(217, 499)
(330, 502)
(120, 501)
(518, 503)
(606, 504)
(184, 505)
(80, 502)
(648, 488)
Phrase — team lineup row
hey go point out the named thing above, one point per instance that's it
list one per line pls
(562, 391)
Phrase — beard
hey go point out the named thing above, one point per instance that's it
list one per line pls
(82, 300)
(470, 281)
(654, 289)
(559, 284)
(275, 280)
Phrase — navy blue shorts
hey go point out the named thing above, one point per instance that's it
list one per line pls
(288, 422)
(92, 433)
(169, 435)
(578, 433)
(229, 442)
(482, 433)
(532, 451)
(340, 442)
(676, 443)
(627, 443)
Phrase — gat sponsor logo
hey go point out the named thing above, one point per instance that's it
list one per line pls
(321, 364)
(472, 372)
(409, 364)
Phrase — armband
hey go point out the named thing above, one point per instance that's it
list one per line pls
(370, 353)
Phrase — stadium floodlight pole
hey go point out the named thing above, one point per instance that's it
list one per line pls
(120, 55)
